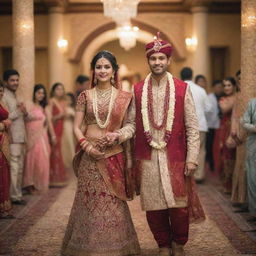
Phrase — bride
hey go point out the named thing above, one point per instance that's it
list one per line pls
(100, 223)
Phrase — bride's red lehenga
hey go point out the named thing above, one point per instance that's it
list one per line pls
(100, 223)
(5, 203)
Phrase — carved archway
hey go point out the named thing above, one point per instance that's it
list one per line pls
(110, 27)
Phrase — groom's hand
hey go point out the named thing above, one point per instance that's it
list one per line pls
(112, 138)
(190, 169)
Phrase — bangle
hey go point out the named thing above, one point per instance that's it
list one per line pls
(84, 143)
(82, 140)
(88, 149)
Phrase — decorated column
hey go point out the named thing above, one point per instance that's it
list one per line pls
(201, 56)
(248, 54)
(56, 54)
(24, 46)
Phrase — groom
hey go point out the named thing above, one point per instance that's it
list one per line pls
(166, 150)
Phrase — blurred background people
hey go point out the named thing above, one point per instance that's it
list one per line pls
(213, 120)
(17, 111)
(82, 83)
(201, 81)
(5, 203)
(226, 144)
(239, 134)
(68, 139)
(203, 107)
(249, 124)
(37, 161)
(56, 113)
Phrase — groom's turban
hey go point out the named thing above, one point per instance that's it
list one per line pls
(158, 45)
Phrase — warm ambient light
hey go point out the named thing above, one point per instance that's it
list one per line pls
(127, 36)
(191, 43)
(62, 44)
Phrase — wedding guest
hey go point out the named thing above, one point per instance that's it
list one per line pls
(203, 107)
(227, 146)
(82, 83)
(5, 179)
(17, 112)
(213, 120)
(249, 124)
(56, 112)
(201, 81)
(37, 163)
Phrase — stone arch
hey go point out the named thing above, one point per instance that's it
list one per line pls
(77, 54)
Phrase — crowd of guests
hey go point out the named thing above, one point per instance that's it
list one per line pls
(228, 138)
(36, 140)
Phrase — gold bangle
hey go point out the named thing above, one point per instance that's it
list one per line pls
(89, 150)
(84, 143)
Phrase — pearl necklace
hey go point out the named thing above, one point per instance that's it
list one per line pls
(95, 108)
(170, 115)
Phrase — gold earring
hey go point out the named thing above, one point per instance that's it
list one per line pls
(112, 80)
(95, 81)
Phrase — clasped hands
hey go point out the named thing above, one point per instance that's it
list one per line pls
(97, 151)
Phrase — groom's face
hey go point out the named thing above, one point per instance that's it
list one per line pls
(158, 63)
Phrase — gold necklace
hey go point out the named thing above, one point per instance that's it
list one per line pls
(101, 124)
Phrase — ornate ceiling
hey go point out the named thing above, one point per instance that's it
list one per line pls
(215, 6)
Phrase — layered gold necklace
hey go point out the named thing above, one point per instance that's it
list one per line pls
(101, 123)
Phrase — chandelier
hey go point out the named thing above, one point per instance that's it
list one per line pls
(121, 11)
(127, 36)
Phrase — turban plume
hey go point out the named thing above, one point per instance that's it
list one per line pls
(158, 45)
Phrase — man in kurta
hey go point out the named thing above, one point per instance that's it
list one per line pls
(166, 151)
(17, 111)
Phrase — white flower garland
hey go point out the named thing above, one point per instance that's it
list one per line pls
(170, 115)
(95, 108)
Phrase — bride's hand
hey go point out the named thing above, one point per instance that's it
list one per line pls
(92, 151)
(101, 143)
(96, 154)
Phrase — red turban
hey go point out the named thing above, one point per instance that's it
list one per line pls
(158, 45)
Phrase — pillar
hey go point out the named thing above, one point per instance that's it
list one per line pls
(201, 55)
(248, 54)
(56, 55)
(24, 46)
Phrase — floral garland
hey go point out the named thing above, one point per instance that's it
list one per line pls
(145, 113)
(165, 109)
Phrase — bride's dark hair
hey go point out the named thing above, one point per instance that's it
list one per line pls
(112, 59)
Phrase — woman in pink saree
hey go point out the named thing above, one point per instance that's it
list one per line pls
(37, 163)
(5, 203)
(56, 111)
(100, 223)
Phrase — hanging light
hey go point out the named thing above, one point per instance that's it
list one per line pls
(127, 36)
(121, 11)
(191, 43)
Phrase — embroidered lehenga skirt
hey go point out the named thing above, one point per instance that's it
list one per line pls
(100, 223)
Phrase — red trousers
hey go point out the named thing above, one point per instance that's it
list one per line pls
(169, 225)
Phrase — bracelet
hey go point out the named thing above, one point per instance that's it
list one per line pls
(82, 140)
(84, 143)
(88, 150)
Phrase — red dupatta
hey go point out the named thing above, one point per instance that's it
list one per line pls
(113, 169)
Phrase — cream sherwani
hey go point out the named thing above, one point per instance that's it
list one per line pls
(156, 188)
(17, 143)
